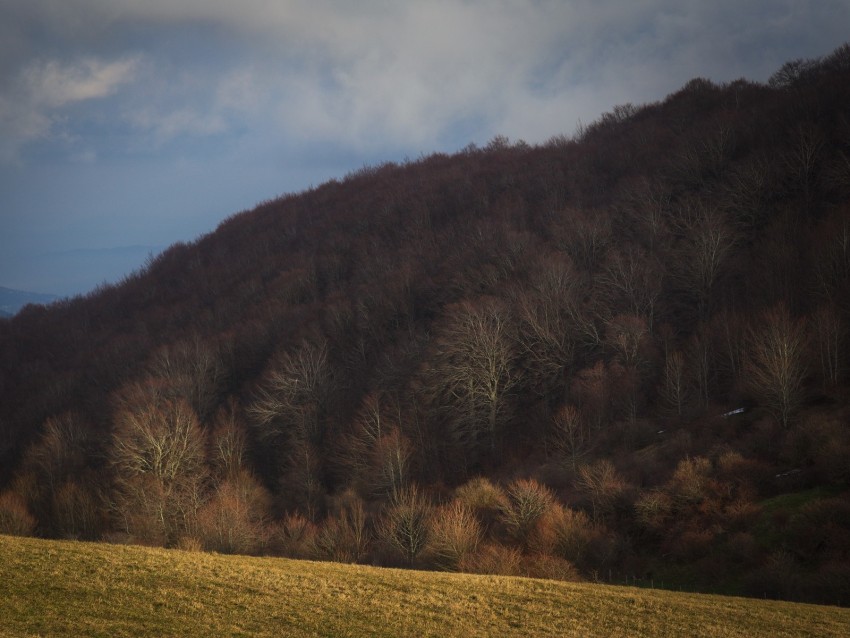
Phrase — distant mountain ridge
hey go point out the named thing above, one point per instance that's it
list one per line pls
(11, 301)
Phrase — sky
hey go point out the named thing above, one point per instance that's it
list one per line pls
(128, 125)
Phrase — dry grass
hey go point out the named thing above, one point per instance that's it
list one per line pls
(52, 588)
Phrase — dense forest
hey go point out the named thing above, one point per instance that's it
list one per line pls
(620, 356)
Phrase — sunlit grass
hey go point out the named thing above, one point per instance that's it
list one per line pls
(50, 588)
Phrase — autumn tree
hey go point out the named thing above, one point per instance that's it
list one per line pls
(602, 485)
(455, 535)
(775, 368)
(62, 492)
(527, 501)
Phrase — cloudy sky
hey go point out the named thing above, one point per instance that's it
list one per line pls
(127, 125)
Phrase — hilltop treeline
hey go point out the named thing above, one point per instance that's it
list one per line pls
(618, 355)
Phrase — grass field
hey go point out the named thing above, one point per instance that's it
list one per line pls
(50, 588)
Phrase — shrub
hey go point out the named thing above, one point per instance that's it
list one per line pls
(653, 510)
(455, 535)
(494, 558)
(404, 526)
(293, 536)
(571, 533)
(234, 519)
(15, 520)
(344, 536)
(551, 567)
(76, 513)
(483, 498)
(527, 502)
(602, 486)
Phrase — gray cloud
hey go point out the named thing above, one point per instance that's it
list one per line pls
(210, 105)
(406, 73)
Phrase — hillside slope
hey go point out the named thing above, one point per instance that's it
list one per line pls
(622, 355)
(85, 589)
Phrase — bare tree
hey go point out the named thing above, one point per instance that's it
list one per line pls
(569, 437)
(803, 159)
(583, 235)
(404, 526)
(228, 443)
(602, 486)
(775, 369)
(235, 519)
(294, 393)
(527, 502)
(632, 280)
(828, 333)
(375, 455)
(158, 460)
(344, 536)
(548, 332)
(674, 388)
(15, 519)
(706, 242)
(193, 369)
(649, 204)
(475, 369)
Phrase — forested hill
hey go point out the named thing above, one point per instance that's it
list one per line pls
(447, 340)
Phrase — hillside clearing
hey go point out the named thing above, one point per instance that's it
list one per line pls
(50, 588)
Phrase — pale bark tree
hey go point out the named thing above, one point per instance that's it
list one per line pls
(706, 242)
(602, 485)
(632, 280)
(157, 455)
(832, 261)
(475, 361)
(775, 369)
(569, 438)
(548, 332)
(527, 501)
(229, 445)
(404, 526)
(294, 394)
(584, 236)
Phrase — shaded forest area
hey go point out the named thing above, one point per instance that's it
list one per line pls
(618, 356)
